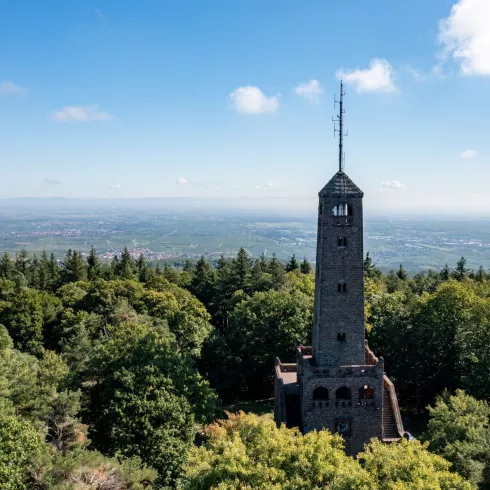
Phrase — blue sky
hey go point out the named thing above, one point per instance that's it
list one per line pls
(210, 98)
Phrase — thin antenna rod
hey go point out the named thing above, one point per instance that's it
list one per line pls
(340, 120)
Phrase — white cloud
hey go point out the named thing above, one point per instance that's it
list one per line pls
(393, 185)
(309, 90)
(264, 187)
(10, 88)
(48, 181)
(465, 36)
(468, 154)
(80, 114)
(182, 181)
(114, 186)
(251, 100)
(379, 77)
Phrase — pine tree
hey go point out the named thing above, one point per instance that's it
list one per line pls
(241, 271)
(6, 266)
(188, 266)
(22, 262)
(292, 265)
(370, 269)
(460, 271)
(481, 275)
(445, 273)
(43, 274)
(142, 268)
(34, 272)
(402, 273)
(264, 263)
(74, 267)
(257, 274)
(93, 265)
(126, 267)
(54, 273)
(276, 270)
(203, 282)
(305, 267)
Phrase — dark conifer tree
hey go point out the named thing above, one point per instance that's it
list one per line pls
(370, 269)
(257, 274)
(305, 267)
(292, 265)
(22, 262)
(276, 269)
(241, 271)
(74, 267)
(460, 271)
(54, 273)
(93, 265)
(203, 283)
(34, 273)
(43, 272)
(402, 273)
(264, 263)
(6, 266)
(142, 267)
(445, 273)
(481, 275)
(126, 267)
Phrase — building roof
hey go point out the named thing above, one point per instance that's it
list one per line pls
(340, 184)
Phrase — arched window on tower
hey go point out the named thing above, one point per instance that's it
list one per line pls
(341, 209)
(335, 211)
(342, 241)
(320, 393)
(343, 394)
(341, 287)
(366, 392)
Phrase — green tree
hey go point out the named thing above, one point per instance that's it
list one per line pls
(292, 265)
(6, 266)
(408, 466)
(93, 265)
(460, 271)
(458, 430)
(305, 267)
(445, 273)
(22, 450)
(22, 262)
(402, 273)
(146, 398)
(267, 325)
(250, 452)
(126, 268)
(203, 283)
(241, 272)
(370, 269)
(74, 267)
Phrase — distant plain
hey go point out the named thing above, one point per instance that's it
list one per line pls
(166, 231)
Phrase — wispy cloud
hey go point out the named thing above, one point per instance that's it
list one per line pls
(309, 90)
(114, 186)
(80, 114)
(182, 181)
(467, 154)
(265, 186)
(379, 77)
(49, 181)
(251, 100)
(393, 185)
(10, 88)
(465, 36)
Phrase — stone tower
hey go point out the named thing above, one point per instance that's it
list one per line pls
(338, 384)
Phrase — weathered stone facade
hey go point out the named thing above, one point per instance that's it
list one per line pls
(338, 383)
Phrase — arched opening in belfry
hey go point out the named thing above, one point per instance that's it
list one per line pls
(366, 392)
(335, 211)
(320, 393)
(343, 393)
(341, 209)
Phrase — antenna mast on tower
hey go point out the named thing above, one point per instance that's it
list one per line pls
(340, 130)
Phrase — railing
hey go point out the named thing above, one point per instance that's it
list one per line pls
(388, 385)
(369, 356)
(343, 220)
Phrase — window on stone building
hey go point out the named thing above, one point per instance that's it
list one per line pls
(342, 241)
(335, 211)
(320, 393)
(344, 287)
(341, 336)
(366, 392)
(343, 393)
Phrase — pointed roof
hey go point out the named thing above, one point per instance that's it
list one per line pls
(340, 184)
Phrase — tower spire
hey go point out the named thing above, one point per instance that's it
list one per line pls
(340, 130)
